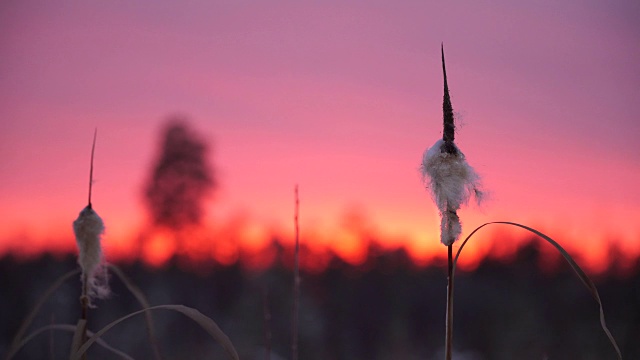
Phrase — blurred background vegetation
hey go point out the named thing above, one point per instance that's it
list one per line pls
(387, 308)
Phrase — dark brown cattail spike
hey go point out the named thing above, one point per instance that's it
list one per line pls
(93, 149)
(448, 132)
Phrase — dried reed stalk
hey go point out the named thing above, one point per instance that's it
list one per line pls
(267, 323)
(296, 282)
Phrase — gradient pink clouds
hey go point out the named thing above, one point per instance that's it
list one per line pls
(339, 97)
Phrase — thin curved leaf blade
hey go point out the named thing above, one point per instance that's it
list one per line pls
(72, 329)
(205, 322)
(16, 344)
(78, 334)
(586, 281)
(142, 299)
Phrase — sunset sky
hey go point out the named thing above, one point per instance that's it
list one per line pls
(340, 97)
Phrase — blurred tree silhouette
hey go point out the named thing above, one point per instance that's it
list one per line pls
(181, 178)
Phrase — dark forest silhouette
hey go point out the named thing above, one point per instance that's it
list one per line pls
(387, 308)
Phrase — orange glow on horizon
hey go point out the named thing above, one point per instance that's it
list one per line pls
(253, 245)
(158, 248)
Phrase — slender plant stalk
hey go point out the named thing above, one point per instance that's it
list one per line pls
(449, 320)
(296, 282)
(267, 323)
(84, 303)
(84, 298)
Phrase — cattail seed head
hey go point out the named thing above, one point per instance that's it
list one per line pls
(452, 182)
(445, 171)
(88, 229)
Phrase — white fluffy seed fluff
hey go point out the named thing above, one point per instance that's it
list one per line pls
(452, 182)
(88, 228)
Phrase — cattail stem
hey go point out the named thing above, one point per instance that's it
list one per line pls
(449, 318)
(296, 282)
(84, 312)
(84, 299)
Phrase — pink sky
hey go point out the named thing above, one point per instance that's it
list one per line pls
(339, 97)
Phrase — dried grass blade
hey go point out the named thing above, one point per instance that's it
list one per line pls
(205, 322)
(576, 269)
(78, 334)
(139, 295)
(72, 328)
(17, 340)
